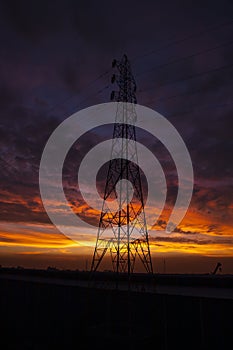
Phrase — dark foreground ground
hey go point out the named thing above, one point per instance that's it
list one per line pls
(54, 312)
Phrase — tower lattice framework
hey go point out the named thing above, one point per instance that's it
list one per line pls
(123, 231)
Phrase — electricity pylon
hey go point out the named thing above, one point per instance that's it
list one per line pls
(123, 230)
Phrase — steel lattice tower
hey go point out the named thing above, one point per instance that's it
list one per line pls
(128, 236)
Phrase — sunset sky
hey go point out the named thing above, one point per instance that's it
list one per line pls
(56, 59)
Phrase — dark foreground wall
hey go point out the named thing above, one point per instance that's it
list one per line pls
(47, 316)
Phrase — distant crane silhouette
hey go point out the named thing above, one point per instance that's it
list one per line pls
(217, 267)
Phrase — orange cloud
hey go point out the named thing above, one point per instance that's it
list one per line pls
(32, 236)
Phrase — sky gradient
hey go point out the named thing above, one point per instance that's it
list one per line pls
(56, 59)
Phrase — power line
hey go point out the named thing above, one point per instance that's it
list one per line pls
(147, 54)
(194, 110)
(186, 57)
(178, 41)
(163, 47)
(183, 94)
(88, 97)
(189, 77)
(72, 96)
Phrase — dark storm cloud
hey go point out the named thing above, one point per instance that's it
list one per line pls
(50, 51)
(214, 197)
(33, 20)
(7, 96)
